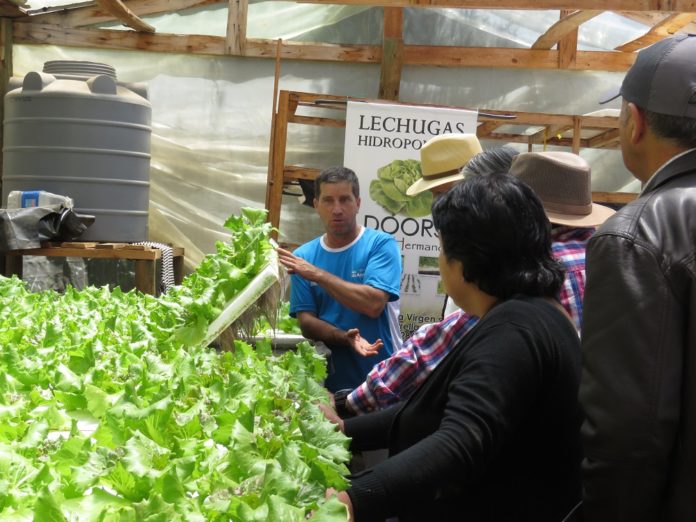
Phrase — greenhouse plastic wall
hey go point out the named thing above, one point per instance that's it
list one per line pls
(211, 116)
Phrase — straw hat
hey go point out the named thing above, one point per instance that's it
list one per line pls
(441, 159)
(562, 182)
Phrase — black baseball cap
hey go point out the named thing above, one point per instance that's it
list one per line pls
(663, 78)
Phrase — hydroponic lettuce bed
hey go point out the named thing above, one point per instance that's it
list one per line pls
(113, 409)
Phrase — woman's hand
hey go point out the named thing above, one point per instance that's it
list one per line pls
(343, 497)
(332, 416)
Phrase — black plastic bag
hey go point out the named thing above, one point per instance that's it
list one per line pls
(22, 228)
(65, 225)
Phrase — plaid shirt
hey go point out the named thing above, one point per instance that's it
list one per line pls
(395, 379)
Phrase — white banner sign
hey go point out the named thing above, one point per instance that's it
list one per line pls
(383, 146)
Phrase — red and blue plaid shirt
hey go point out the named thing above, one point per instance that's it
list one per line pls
(395, 379)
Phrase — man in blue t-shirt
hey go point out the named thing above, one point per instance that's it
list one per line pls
(345, 283)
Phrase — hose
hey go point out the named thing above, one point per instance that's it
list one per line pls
(167, 280)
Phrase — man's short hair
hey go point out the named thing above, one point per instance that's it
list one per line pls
(337, 174)
(496, 227)
(679, 129)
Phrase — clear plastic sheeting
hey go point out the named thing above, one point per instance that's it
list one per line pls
(321, 23)
(212, 115)
(509, 28)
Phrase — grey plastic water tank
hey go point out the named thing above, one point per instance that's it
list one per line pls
(74, 130)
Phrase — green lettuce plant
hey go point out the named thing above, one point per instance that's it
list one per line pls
(389, 189)
(109, 413)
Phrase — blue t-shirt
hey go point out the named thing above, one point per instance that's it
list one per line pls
(372, 259)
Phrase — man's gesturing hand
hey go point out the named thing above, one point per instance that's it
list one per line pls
(297, 265)
(358, 343)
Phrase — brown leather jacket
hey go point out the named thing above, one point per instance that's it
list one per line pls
(638, 386)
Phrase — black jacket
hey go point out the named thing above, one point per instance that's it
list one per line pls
(493, 433)
(638, 387)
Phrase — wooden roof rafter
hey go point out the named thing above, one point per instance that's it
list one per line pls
(91, 13)
(566, 25)
(668, 26)
(119, 10)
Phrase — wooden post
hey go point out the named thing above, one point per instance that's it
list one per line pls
(178, 269)
(276, 174)
(392, 54)
(146, 276)
(567, 46)
(235, 40)
(577, 134)
(5, 75)
(14, 265)
(271, 147)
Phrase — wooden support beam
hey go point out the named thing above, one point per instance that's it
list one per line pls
(670, 25)
(543, 119)
(442, 56)
(485, 129)
(615, 198)
(67, 16)
(315, 51)
(567, 25)
(113, 39)
(392, 54)
(523, 138)
(189, 44)
(609, 139)
(551, 142)
(549, 133)
(235, 40)
(314, 120)
(296, 173)
(119, 10)
(492, 57)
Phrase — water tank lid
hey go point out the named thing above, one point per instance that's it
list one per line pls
(79, 69)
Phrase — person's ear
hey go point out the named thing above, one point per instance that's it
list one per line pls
(315, 202)
(357, 200)
(637, 122)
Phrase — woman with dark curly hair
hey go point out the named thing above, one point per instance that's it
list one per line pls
(493, 433)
